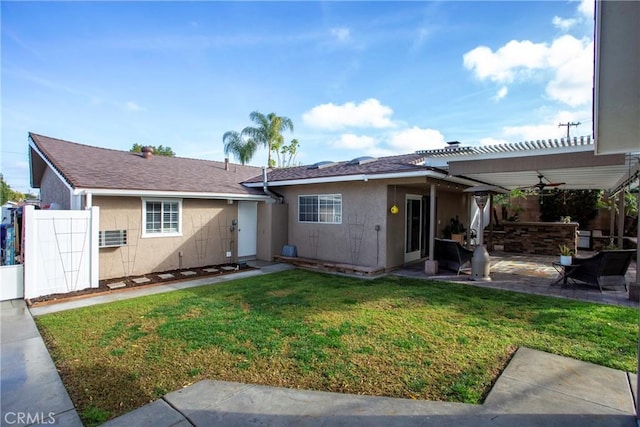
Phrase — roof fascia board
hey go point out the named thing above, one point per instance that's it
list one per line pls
(340, 178)
(540, 162)
(35, 148)
(173, 194)
(365, 177)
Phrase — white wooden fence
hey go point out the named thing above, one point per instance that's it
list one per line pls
(60, 251)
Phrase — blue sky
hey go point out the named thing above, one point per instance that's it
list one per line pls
(356, 78)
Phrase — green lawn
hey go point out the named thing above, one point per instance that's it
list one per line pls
(392, 336)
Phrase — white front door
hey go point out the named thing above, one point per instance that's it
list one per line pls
(413, 228)
(247, 229)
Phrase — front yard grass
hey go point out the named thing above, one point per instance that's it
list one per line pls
(392, 336)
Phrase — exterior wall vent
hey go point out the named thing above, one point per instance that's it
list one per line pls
(112, 238)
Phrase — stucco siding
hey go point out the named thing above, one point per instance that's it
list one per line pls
(206, 237)
(272, 230)
(449, 203)
(355, 240)
(53, 190)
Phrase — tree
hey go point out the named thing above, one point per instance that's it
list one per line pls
(268, 132)
(7, 194)
(160, 150)
(243, 150)
(580, 205)
(290, 150)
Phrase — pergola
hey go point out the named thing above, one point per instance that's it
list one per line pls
(572, 162)
(611, 161)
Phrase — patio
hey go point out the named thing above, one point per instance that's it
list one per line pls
(533, 274)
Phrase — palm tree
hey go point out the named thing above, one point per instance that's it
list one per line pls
(242, 150)
(268, 131)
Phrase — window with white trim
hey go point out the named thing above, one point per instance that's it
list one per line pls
(161, 217)
(324, 208)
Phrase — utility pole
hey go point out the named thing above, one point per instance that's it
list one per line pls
(568, 125)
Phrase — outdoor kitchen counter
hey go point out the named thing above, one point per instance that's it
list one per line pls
(541, 238)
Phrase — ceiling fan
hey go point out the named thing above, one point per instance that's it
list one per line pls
(541, 185)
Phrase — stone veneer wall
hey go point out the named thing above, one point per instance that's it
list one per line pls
(541, 238)
(497, 236)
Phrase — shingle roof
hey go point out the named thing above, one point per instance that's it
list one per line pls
(84, 166)
(382, 165)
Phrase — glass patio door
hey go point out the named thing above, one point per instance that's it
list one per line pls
(413, 228)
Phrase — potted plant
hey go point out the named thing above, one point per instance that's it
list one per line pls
(454, 230)
(566, 254)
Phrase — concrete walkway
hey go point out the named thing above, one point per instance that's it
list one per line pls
(536, 389)
(31, 391)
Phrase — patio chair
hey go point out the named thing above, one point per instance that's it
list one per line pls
(604, 269)
(451, 255)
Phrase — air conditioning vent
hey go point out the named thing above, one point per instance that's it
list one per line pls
(112, 238)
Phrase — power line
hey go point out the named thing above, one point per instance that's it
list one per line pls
(568, 125)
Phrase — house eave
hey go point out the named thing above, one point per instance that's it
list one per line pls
(35, 149)
(170, 194)
(431, 173)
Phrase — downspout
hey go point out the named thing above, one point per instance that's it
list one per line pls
(265, 187)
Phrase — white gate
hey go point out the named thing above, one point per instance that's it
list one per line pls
(11, 282)
(60, 251)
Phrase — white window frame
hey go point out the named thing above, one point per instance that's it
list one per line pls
(337, 219)
(161, 233)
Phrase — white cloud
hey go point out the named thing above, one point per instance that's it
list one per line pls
(351, 141)
(415, 138)
(502, 92)
(566, 63)
(503, 65)
(564, 24)
(569, 60)
(572, 62)
(343, 35)
(132, 106)
(586, 8)
(369, 113)
(549, 129)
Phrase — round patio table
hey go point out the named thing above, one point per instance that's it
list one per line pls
(564, 271)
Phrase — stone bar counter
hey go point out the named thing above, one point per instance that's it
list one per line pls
(541, 238)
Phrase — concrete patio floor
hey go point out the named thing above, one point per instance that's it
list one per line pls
(533, 274)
